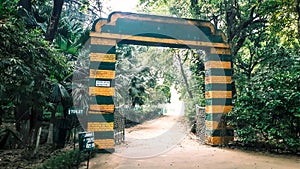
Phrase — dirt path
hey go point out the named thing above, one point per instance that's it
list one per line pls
(164, 143)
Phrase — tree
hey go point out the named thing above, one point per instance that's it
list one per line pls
(32, 17)
(267, 110)
(29, 67)
(65, 24)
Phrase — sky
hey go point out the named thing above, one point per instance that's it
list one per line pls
(120, 5)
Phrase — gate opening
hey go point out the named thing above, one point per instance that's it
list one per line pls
(150, 30)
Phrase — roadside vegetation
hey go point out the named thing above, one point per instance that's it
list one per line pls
(44, 71)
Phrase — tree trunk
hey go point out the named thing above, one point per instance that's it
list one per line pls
(51, 126)
(50, 134)
(53, 24)
(184, 76)
(21, 114)
(1, 113)
(37, 141)
(298, 19)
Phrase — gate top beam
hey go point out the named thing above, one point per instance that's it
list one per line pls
(153, 30)
(169, 42)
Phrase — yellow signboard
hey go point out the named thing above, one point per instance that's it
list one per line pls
(217, 64)
(218, 109)
(100, 126)
(103, 74)
(102, 107)
(101, 91)
(218, 94)
(102, 57)
(218, 79)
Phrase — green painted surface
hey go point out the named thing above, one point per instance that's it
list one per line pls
(213, 116)
(101, 100)
(124, 41)
(218, 72)
(161, 30)
(216, 57)
(103, 49)
(219, 101)
(225, 132)
(218, 87)
(103, 135)
(107, 150)
(101, 118)
(103, 65)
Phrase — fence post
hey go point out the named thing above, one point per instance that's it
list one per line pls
(200, 123)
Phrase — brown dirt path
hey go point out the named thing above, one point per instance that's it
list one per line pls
(164, 143)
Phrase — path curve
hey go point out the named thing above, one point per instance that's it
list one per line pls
(186, 153)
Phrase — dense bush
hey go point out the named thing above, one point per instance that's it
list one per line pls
(65, 160)
(268, 110)
(29, 64)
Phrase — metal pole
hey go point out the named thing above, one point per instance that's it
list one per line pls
(88, 161)
(78, 158)
(74, 138)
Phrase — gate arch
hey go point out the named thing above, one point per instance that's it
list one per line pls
(131, 28)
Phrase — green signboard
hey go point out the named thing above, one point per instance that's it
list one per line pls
(86, 141)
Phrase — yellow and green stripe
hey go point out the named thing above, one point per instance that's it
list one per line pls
(218, 95)
(100, 116)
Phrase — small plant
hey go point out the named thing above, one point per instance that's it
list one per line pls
(65, 160)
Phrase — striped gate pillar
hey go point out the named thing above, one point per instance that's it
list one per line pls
(218, 95)
(101, 91)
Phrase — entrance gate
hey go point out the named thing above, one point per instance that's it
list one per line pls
(130, 28)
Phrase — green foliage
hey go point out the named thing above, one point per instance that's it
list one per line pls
(264, 38)
(165, 91)
(29, 64)
(138, 74)
(138, 84)
(267, 110)
(72, 35)
(64, 160)
(266, 77)
(149, 73)
(80, 81)
(141, 114)
(178, 8)
(6, 8)
(193, 61)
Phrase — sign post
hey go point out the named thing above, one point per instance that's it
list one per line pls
(86, 143)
